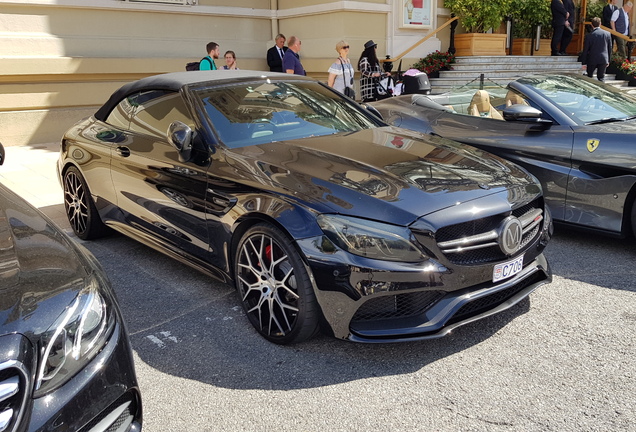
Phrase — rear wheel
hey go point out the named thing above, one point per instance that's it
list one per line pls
(80, 208)
(634, 219)
(274, 286)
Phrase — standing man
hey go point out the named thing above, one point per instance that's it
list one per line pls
(568, 30)
(608, 11)
(559, 18)
(207, 62)
(597, 50)
(620, 24)
(291, 61)
(276, 53)
(606, 19)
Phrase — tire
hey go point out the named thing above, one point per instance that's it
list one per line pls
(633, 219)
(80, 208)
(274, 286)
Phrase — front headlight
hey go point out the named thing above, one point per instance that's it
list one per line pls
(371, 239)
(74, 339)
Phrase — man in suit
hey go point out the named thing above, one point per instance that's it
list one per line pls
(568, 30)
(597, 50)
(562, 25)
(276, 53)
(559, 20)
(608, 11)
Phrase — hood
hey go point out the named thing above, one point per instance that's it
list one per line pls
(398, 174)
(627, 127)
(40, 270)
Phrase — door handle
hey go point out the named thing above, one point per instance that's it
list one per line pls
(123, 151)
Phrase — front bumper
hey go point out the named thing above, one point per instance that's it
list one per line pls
(373, 301)
(102, 396)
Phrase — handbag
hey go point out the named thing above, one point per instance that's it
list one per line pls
(381, 90)
(348, 91)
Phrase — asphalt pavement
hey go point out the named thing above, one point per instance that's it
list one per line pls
(562, 360)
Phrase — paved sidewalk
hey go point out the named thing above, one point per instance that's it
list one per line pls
(30, 172)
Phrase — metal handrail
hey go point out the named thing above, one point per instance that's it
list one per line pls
(421, 41)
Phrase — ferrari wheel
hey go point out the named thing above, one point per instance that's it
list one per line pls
(633, 219)
(80, 208)
(274, 286)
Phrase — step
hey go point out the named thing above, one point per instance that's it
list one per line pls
(514, 67)
(517, 59)
(443, 84)
(494, 74)
(500, 70)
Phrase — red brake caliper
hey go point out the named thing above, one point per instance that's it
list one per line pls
(268, 252)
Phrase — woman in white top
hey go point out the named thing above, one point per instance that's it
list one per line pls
(341, 72)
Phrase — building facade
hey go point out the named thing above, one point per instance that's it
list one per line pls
(62, 58)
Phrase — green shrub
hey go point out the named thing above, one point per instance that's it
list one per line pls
(479, 16)
(526, 14)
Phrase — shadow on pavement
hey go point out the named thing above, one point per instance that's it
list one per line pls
(185, 324)
(593, 258)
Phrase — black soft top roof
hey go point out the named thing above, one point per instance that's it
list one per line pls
(176, 80)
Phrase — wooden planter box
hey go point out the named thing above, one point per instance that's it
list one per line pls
(522, 46)
(480, 44)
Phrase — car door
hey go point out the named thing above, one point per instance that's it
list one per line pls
(545, 153)
(163, 199)
(601, 177)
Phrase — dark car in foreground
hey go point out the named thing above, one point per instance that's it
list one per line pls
(65, 359)
(575, 134)
(318, 212)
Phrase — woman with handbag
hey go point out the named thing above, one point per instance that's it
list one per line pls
(341, 72)
(371, 73)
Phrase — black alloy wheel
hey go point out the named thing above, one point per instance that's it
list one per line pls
(80, 208)
(274, 286)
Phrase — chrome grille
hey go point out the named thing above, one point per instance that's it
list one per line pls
(476, 242)
(13, 383)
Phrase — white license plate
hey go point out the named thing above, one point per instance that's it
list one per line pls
(508, 269)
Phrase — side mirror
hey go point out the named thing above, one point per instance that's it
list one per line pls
(180, 136)
(1, 154)
(528, 114)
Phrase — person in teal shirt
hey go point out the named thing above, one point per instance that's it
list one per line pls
(207, 62)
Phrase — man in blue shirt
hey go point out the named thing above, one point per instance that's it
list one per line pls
(291, 60)
(214, 51)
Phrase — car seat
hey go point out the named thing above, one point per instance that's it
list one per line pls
(480, 106)
(513, 98)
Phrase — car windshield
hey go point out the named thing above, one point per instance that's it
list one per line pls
(584, 100)
(266, 111)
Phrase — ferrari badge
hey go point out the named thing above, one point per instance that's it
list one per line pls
(592, 144)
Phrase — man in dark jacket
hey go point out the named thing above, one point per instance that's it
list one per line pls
(560, 20)
(608, 10)
(276, 53)
(606, 19)
(597, 50)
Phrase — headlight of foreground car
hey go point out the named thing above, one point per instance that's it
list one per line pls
(74, 339)
(371, 239)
